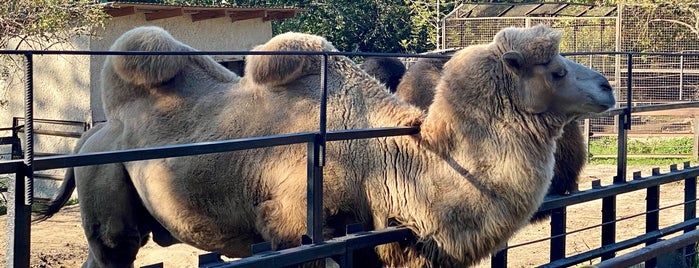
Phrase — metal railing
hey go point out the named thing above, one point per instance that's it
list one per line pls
(341, 248)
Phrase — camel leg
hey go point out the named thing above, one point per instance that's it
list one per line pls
(282, 222)
(109, 206)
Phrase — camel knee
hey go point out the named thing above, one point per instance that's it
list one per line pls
(280, 223)
(112, 246)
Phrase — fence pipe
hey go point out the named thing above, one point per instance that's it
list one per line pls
(558, 229)
(619, 246)
(499, 259)
(652, 251)
(690, 212)
(316, 156)
(22, 190)
(653, 216)
(29, 131)
(624, 124)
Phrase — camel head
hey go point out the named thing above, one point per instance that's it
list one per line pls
(548, 82)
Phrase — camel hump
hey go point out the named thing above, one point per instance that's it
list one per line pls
(277, 70)
(148, 69)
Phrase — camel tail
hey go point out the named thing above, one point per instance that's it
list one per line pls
(62, 196)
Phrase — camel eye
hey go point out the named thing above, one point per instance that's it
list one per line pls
(560, 73)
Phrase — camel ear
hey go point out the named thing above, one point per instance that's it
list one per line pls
(513, 61)
(275, 70)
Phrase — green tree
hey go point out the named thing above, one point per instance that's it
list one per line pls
(351, 25)
(41, 24)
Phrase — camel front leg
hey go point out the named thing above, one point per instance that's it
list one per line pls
(282, 221)
(109, 207)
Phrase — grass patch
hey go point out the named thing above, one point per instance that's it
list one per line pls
(672, 145)
(642, 146)
(641, 161)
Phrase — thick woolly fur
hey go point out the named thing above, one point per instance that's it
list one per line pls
(418, 85)
(387, 70)
(476, 172)
(419, 82)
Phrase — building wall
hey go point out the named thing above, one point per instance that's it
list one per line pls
(60, 83)
(67, 87)
(207, 35)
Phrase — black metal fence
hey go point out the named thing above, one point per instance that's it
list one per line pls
(341, 249)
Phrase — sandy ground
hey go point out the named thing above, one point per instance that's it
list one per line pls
(59, 241)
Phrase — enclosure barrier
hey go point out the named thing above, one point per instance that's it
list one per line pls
(341, 248)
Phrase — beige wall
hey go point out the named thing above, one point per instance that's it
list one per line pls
(66, 87)
(60, 83)
(207, 35)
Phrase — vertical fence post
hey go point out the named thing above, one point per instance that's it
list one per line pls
(21, 191)
(316, 161)
(609, 203)
(558, 230)
(499, 260)
(681, 75)
(690, 212)
(695, 140)
(624, 122)
(652, 214)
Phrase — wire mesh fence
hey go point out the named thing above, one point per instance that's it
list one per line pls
(669, 74)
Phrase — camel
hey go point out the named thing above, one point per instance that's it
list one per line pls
(387, 70)
(475, 173)
(418, 86)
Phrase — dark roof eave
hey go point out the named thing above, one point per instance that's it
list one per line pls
(197, 13)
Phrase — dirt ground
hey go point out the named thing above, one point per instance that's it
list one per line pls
(59, 241)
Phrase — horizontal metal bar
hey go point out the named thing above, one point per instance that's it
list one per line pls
(52, 162)
(651, 251)
(370, 133)
(551, 202)
(231, 53)
(54, 121)
(69, 134)
(330, 53)
(595, 253)
(333, 247)
(62, 161)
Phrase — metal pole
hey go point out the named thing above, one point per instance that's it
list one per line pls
(316, 158)
(21, 191)
(681, 75)
(558, 230)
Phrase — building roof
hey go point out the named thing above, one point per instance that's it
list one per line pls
(197, 13)
(548, 9)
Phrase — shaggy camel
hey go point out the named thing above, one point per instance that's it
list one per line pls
(387, 70)
(474, 175)
(418, 85)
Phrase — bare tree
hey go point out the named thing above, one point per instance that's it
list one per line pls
(40, 25)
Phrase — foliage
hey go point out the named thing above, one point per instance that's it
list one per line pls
(41, 24)
(361, 25)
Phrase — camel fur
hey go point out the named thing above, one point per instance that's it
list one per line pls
(418, 85)
(387, 70)
(475, 173)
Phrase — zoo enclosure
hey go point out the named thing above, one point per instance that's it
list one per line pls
(341, 249)
(658, 78)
